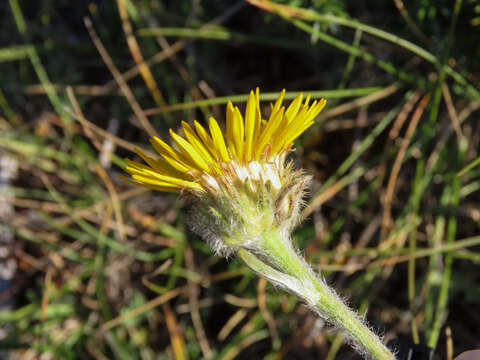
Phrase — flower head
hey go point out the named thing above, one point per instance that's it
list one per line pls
(239, 180)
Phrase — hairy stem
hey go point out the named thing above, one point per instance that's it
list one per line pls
(277, 260)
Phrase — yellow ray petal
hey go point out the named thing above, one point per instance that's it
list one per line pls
(206, 139)
(293, 107)
(180, 166)
(279, 101)
(296, 127)
(295, 134)
(307, 100)
(249, 125)
(173, 157)
(152, 181)
(189, 152)
(165, 185)
(268, 131)
(315, 110)
(229, 133)
(238, 133)
(283, 134)
(218, 140)
(196, 142)
(258, 118)
(152, 187)
(149, 176)
(162, 147)
(160, 165)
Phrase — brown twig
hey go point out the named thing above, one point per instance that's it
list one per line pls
(448, 343)
(176, 337)
(283, 10)
(440, 143)
(452, 113)
(323, 198)
(172, 49)
(115, 201)
(403, 115)
(89, 127)
(404, 13)
(231, 323)
(119, 79)
(387, 202)
(138, 56)
(262, 306)
(45, 295)
(359, 102)
(159, 300)
(88, 90)
(194, 309)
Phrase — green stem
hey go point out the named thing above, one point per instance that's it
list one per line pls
(280, 263)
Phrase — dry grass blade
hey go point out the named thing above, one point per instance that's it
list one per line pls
(89, 127)
(159, 300)
(137, 55)
(355, 104)
(262, 305)
(452, 113)
(115, 201)
(403, 115)
(171, 50)
(176, 338)
(155, 59)
(387, 202)
(88, 90)
(240, 302)
(231, 323)
(449, 343)
(194, 307)
(182, 71)
(79, 116)
(90, 211)
(45, 295)
(404, 13)
(323, 198)
(246, 342)
(119, 79)
(284, 10)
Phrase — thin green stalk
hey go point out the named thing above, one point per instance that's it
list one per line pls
(348, 67)
(365, 55)
(99, 264)
(288, 270)
(434, 276)
(418, 50)
(330, 94)
(451, 233)
(437, 96)
(361, 148)
(223, 35)
(94, 233)
(11, 116)
(14, 52)
(458, 246)
(336, 344)
(394, 39)
(351, 61)
(413, 247)
(469, 167)
(37, 63)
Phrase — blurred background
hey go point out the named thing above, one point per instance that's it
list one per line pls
(92, 268)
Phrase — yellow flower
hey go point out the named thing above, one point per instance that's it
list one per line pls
(239, 182)
(252, 148)
(246, 199)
